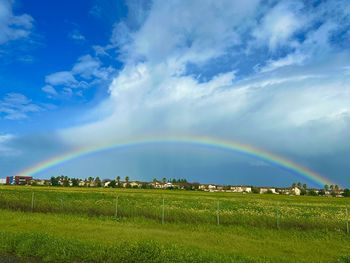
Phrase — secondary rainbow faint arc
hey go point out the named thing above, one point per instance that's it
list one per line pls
(209, 142)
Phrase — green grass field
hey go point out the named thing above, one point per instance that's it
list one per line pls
(126, 225)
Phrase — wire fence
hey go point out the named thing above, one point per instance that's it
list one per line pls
(189, 209)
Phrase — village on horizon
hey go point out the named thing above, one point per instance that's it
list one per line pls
(176, 184)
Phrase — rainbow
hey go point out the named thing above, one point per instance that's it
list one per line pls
(207, 142)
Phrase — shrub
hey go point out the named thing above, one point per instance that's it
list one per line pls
(312, 193)
(346, 192)
(255, 190)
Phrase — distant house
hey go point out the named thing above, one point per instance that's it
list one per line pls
(241, 189)
(283, 191)
(156, 184)
(202, 187)
(268, 190)
(211, 187)
(247, 189)
(168, 185)
(18, 180)
(135, 184)
(295, 191)
(2, 180)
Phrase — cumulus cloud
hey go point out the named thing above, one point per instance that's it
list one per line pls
(49, 90)
(287, 90)
(88, 71)
(13, 27)
(187, 36)
(61, 78)
(16, 106)
(279, 24)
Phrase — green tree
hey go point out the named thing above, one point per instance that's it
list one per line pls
(346, 192)
(164, 180)
(255, 190)
(98, 182)
(127, 181)
(326, 187)
(118, 181)
(75, 182)
(322, 192)
(90, 180)
(54, 181)
(65, 181)
(336, 188)
(312, 192)
(113, 184)
(304, 186)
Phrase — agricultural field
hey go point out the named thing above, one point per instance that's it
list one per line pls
(127, 225)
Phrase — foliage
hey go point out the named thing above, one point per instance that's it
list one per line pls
(54, 181)
(298, 212)
(312, 193)
(346, 192)
(255, 190)
(86, 230)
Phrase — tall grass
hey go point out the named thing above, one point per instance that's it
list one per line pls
(50, 248)
(200, 208)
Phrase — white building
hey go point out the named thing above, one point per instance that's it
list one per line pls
(266, 190)
(2, 180)
(211, 187)
(241, 189)
(202, 187)
(295, 191)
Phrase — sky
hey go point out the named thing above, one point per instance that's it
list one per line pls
(271, 74)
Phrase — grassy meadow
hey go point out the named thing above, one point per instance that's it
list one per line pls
(127, 225)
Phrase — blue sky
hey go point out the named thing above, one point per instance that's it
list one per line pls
(273, 74)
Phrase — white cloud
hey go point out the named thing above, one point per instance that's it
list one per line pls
(61, 78)
(289, 60)
(51, 91)
(88, 67)
(279, 24)
(278, 107)
(76, 35)
(16, 106)
(88, 71)
(186, 36)
(12, 26)
(96, 11)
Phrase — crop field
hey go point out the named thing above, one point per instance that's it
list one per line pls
(127, 225)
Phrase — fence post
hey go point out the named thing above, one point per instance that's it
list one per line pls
(277, 219)
(116, 207)
(347, 221)
(32, 201)
(218, 214)
(163, 212)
